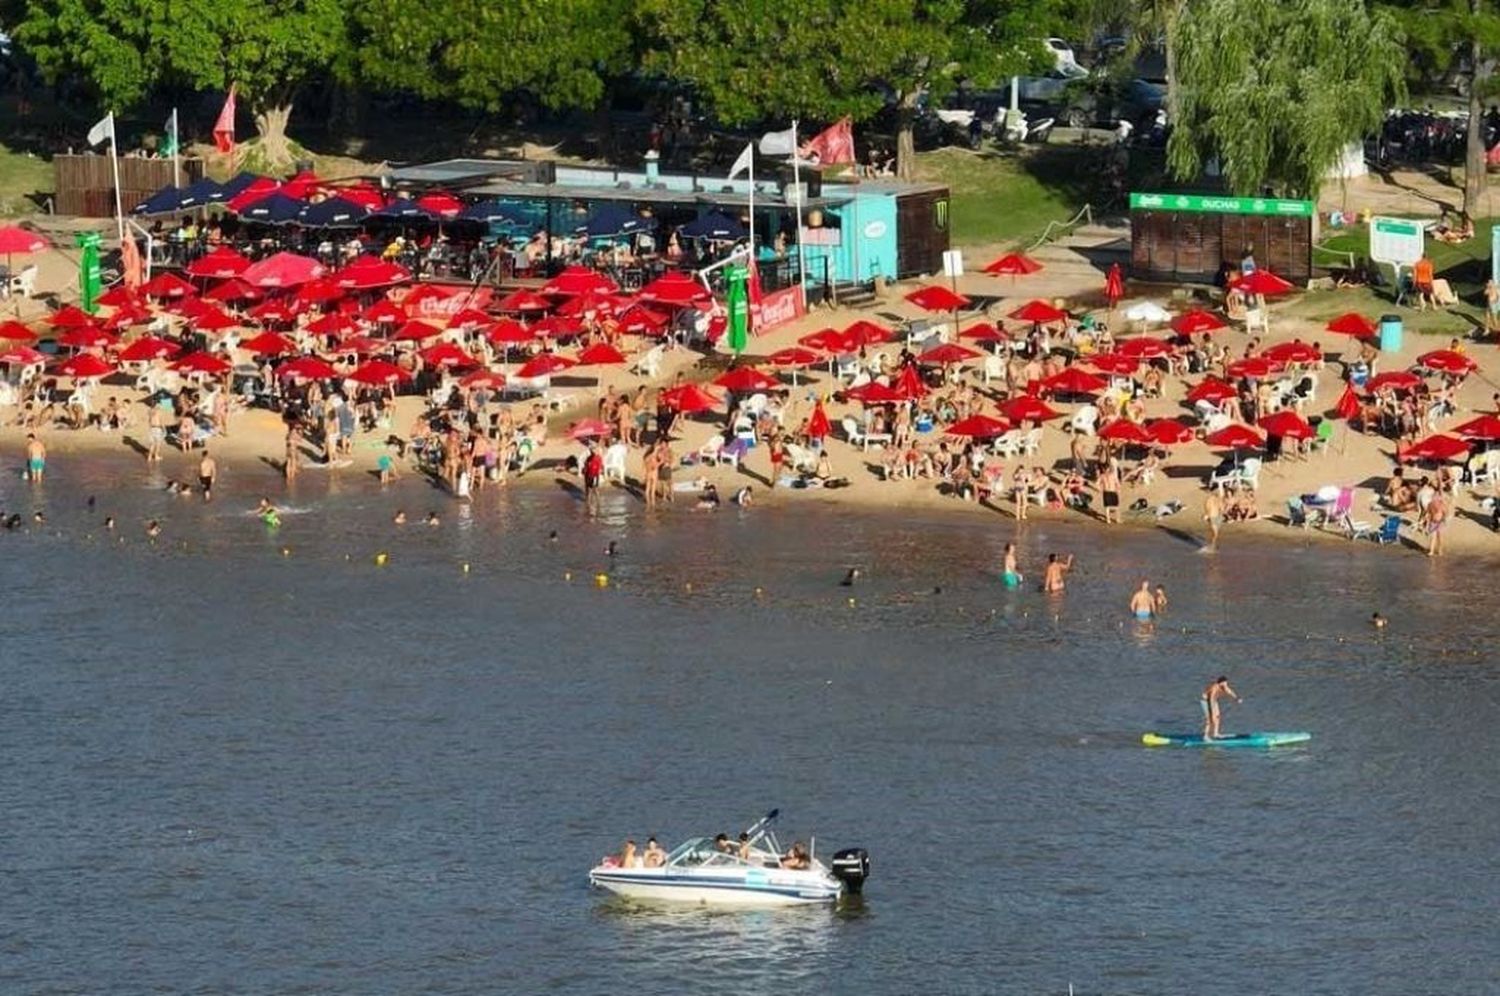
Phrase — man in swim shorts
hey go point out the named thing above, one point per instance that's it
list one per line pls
(1216, 689)
(36, 458)
(1142, 603)
(1052, 579)
(207, 471)
(1009, 573)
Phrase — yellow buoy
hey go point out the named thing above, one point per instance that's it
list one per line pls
(567, 575)
(851, 603)
(466, 568)
(759, 591)
(601, 580)
(286, 551)
(380, 559)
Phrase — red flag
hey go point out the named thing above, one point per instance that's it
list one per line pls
(1348, 404)
(224, 127)
(834, 144)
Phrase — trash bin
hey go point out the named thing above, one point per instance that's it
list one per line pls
(1390, 333)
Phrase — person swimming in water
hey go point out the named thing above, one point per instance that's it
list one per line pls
(267, 512)
(1142, 604)
(1378, 621)
(1010, 572)
(1217, 689)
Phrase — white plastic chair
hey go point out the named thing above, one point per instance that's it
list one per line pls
(994, 367)
(1084, 420)
(1032, 441)
(1250, 473)
(23, 283)
(1009, 444)
(648, 364)
(615, 455)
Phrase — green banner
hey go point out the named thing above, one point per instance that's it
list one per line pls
(90, 280)
(737, 300)
(1210, 204)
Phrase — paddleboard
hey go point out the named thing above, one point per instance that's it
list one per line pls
(1259, 739)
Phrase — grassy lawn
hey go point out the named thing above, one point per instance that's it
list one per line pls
(20, 176)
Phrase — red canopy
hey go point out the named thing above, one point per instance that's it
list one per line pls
(441, 203)
(936, 297)
(69, 317)
(1168, 431)
(746, 380)
(308, 368)
(1025, 408)
(1293, 352)
(87, 337)
(14, 331)
(1401, 380)
(1122, 430)
(130, 314)
(273, 311)
(302, 186)
(1288, 424)
(1197, 321)
(600, 354)
(1254, 367)
(362, 194)
(319, 291)
(269, 344)
(589, 428)
(258, 188)
(689, 398)
(231, 290)
(557, 327)
(1144, 348)
(978, 427)
(675, 289)
(827, 340)
(875, 393)
(544, 365)
(415, 331)
(284, 269)
(213, 320)
(14, 239)
(1264, 283)
(332, 324)
(508, 331)
(148, 348)
(575, 280)
(793, 356)
(1212, 389)
(1436, 448)
(84, 366)
(983, 332)
(1074, 380)
(523, 300)
(866, 333)
(483, 378)
(1352, 323)
(1235, 437)
(446, 354)
(641, 320)
(590, 303)
(202, 363)
(218, 263)
(369, 272)
(1012, 264)
(384, 312)
(1038, 311)
(166, 284)
(20, 355)
(378, 372)
(1114, 363)
(1447, 361)
(948, 352)
(118, 296)
(1486, 427)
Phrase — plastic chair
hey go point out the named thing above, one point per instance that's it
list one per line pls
(1390, 530)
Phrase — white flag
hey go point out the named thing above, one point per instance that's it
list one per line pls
(779, 143)
(105, 129)
(743, 162)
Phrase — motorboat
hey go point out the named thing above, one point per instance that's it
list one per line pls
(753, 871)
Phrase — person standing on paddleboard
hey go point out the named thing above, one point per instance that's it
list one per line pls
(1218, 688)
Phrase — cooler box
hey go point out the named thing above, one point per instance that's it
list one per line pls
(1390, 333)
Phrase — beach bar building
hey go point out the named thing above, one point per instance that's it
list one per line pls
(1186, 238)
(853, 232)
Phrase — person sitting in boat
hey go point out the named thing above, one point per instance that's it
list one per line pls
(722, 844)
(796, 859)
(654, 857)
(628, 857)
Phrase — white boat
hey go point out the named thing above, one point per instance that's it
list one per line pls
(699, 871)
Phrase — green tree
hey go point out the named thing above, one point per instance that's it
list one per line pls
(1461, 35)
(479, 52)
(270, 50)
(1274, 90)
(822, 59)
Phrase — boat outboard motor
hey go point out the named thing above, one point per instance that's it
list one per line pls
(851, 866)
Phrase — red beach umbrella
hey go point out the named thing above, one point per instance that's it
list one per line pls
(84, 366)
(689, 398)
(148, 348)
(284, 269)
(1438, 449)
(87, 337)
(166, 285)
(674, 289)
(14, 240)
(521, 301)
(489, 379)
(1025, 408)
(983, 332)
(867, 333)
(378, 373)
(118, 296)
(1013, 264)
(826, 340)
(746, 380)
(600, 354)
(307, 368)
(590, 428)
(1235, 437)
(69, 316)
(1293, 352)
(1400, 380)
(875, 393)
(947, 353)
(1114, 363)
(1352, 323)
(1197, 321)
(331, 324)
(446, 354)
(1447, 361)
(1168, 431)
(273, 312)
(233, 290)
(370, 272)
(936, 297)
(544, 365)
(509, 332)
(130, 314)
(583, 305)
(211, 319)
(16, 354)
(319, 291)
(557, 327)
(269, 344)
(1254, 367)
(1264, 283)
(202, 363)
(218, 263)
(1287, 424)
(1484, 427)
(1074, 380)
(468, 318)
(1213, 390)
(1038, 311)
(1123, 430)
(1144, 348)
(14, 331)
(441, 203)
(384, 312)
(793, 356)
(641, 320)
(978, 427)
(415, 331)
(576, 280)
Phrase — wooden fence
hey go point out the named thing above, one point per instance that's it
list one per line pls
(85, 184)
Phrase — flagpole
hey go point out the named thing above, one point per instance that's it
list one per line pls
(114, 162)
(752, 206)
(176, 151)
(797, 185)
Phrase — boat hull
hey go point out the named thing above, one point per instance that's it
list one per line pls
(1260, 739)
(754, 889)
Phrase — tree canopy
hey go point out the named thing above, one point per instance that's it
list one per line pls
(1274, 90)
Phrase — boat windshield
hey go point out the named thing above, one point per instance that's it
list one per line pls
(693, 851)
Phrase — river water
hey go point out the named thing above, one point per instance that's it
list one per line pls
(251, 761)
